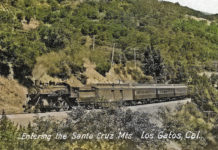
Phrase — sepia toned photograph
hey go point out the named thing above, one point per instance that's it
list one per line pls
(108, 75)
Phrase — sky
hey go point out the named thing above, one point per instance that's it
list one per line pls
(209, 6)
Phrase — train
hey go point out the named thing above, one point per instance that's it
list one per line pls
(62, 97)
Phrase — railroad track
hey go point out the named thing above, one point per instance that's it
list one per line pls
(26, 118)
(160, 102)
(149, 104)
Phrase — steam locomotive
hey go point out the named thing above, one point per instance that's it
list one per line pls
(62, 97)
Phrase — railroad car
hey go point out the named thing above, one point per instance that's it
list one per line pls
(61, 96)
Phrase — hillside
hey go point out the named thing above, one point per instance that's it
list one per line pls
(12, 96)
(61, 33)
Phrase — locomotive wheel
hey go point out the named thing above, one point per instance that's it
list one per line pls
(89, 107)
(42, 110)
(96, 106)
(36, 111)
(133, 103)
(64, 106)
(139, 102)
(61, 106)
(145, 102)
(148, 101)
(57, 109)
(126, 104)
(57, 106)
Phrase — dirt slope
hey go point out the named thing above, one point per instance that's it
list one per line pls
(92, 75)
(12, 96)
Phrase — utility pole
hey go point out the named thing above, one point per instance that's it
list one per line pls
(11, 71)
(134, 57)
(93, 42)
(112, 59)
(120, 58)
